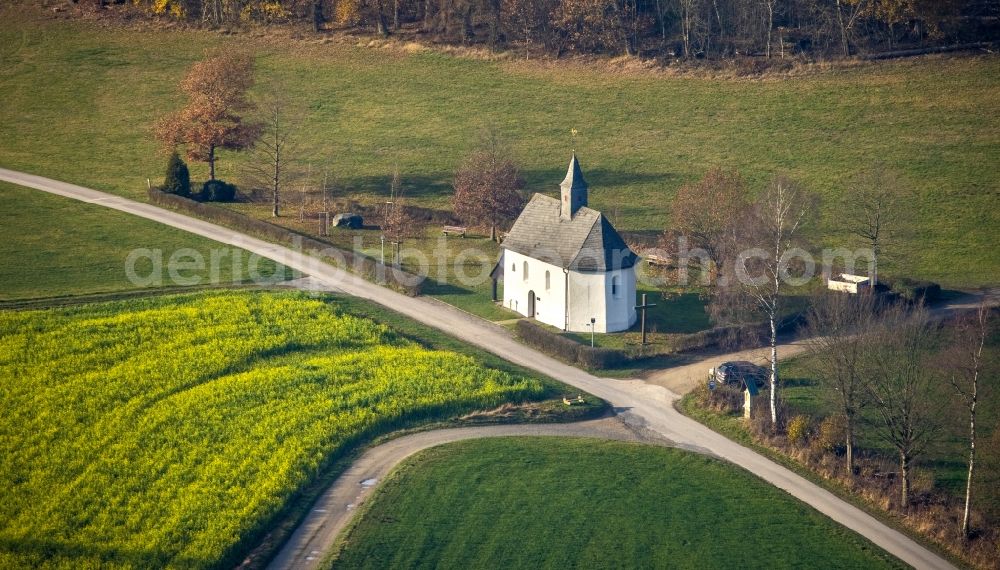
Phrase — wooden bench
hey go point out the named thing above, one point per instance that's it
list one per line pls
(454, 230)
(654, 259)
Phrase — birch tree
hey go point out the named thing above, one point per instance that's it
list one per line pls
(764, 269)
(965, 361)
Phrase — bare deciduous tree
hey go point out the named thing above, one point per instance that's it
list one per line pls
(397, 223)
(840, 331)
(903, 386)
(877, 211)
(271, 164)
(488, 185)
(709, 214)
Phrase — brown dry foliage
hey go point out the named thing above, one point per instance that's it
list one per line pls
(213, 117)
(488, 186)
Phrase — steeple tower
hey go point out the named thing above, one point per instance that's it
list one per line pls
(574, 190)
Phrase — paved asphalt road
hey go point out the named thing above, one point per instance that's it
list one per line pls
(638, 402)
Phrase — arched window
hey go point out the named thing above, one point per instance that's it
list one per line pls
(615, 286)
(513, 268)
(524, 266)
(548, 280)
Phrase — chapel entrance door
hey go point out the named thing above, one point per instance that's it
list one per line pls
(531, 304)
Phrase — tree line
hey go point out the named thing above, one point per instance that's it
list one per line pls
(657, 28)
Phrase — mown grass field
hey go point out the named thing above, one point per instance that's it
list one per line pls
(174, 430)
(80, 99)
(577, 503)
(55, 246)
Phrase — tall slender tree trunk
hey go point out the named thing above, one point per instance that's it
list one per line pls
(973, 398)
(772, 314)
(317, 13)
(972, 464)
(849, 445)
(427, 16)
(659, 19)
(843, 30)
(904, 468)
(382, 25)
(774, 371)
(467, 31)
(875, 248)
(770, 25)
(211, 162)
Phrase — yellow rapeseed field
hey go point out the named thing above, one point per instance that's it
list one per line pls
(171, 431)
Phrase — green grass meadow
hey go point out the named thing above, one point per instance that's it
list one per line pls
(944, 466)
(177, 430)
(54, 246)
(80, 99)
(579, 503)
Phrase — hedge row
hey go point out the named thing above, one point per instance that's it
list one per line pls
(367, 267)
(730, 338)
(568, 349)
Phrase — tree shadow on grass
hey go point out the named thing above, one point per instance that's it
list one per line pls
(432, 287)
(439, 185)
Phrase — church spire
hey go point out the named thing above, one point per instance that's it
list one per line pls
(574, 190)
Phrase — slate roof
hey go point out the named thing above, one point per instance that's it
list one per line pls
(588, 242)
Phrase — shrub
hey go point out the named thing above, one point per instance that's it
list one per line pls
(178, 178)
(554, 344)
(218, 191)
(913, 290)
(568, 349)
(799, 429)
(760, 415)
(726, 399)
(831, 434)
(598, 357)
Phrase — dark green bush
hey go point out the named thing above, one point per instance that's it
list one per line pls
(913, 290)
(568, 349)
(218, 191)
(549, 342)
(178, 178)
(598, 357)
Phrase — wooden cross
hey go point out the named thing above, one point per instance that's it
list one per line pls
(643, 308)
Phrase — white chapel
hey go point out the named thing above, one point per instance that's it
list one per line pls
(564, 264)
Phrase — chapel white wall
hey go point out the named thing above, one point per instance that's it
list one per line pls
(591, 297)
(550, 302)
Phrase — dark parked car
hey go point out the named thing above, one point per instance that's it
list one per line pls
(735, 372)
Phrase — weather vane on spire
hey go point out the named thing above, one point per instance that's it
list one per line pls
(573, 132)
